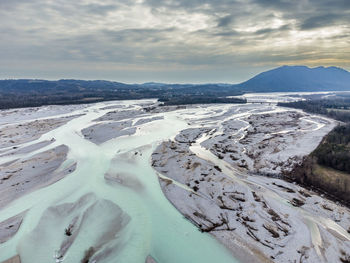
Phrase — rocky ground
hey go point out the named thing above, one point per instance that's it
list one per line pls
(9, 227)
(268, 143)
(117, 123)
(25, 175)
(14, 134)
(211, 174)
(11, 116)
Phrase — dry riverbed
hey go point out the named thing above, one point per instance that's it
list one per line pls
(61, 168)
(14, 134)
(213, 175)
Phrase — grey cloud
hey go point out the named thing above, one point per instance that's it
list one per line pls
(277, 4)
(272, 30)
(210, 6)
(225, 21)
(310, 13)
(12, 4)
(222, 33)
(323, 21)
(138, 34)
(100, 9)
(227, 33)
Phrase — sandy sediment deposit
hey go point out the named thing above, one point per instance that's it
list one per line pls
(100, 133)
(146, 120)
(27, 114)
(117, 123)
(19, 133)
(26, 149)
(210, 174)
(268, 143)
(10, 226)
(122, 114)
(73, 222)
(22, 176)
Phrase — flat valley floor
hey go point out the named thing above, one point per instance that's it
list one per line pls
(129, 181)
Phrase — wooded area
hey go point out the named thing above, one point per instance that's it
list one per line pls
(338, 109)
(327, 168)
(33, 93)
(334, 151)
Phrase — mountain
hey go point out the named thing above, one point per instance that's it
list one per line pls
(34, 92)
(298, 78)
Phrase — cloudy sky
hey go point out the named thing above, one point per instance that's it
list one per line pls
(169, 41)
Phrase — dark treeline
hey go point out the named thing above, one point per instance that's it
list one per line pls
(32, 93)
(334, 151)
(182, 100)
(338, 109)
(33, 100)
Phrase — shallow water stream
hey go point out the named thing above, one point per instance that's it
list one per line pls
(128, 218)
(155, 227)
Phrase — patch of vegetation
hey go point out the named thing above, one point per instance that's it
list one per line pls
(334, 151)
(334, 183)
(327, 168)
(338, 109)
(182, 100)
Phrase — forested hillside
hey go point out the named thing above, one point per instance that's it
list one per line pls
(334, 151)
(338, 109)
(31, 93)
(328, 167)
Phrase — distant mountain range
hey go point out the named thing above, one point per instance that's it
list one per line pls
(32, 92)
